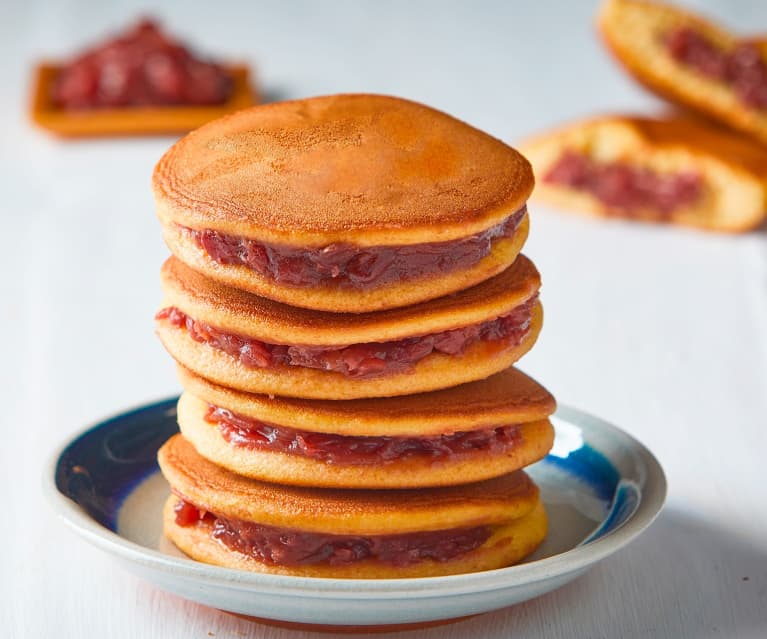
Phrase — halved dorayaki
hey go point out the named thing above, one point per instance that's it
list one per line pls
(668, 169)
(691, 61)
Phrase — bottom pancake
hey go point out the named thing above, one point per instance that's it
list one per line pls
(221, 518)
(507, 545)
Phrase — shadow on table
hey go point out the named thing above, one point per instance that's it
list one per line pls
(274, 94)
(762, 228)
(683, 577)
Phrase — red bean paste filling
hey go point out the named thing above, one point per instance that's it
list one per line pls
(743, 69)
(361, 361)
(140, 67)
(355, 450)
(622, 187)
(278, 546)
(352, 266)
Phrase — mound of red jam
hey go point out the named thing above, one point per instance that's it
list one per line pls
(743, 69)
(141, 67)
(623, 187)
(358, 360)
(279, 546)
(357, 450)
(352, 266)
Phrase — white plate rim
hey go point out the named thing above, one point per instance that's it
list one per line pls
(653, 494)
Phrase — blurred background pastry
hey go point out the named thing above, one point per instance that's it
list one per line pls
(668, 169)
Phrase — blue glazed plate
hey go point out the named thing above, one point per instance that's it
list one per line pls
(600, 486)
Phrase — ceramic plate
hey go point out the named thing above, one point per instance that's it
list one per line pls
(600, 486)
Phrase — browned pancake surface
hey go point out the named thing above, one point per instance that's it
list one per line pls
(368, 169)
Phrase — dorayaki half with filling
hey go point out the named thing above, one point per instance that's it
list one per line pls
(691, 61)
(668, 169)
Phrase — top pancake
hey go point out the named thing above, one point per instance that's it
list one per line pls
(365, 169)
(343, 511)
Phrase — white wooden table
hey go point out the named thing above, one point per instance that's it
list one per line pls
(661, 330)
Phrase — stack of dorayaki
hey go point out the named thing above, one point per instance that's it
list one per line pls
(704, 165)
(345, 301)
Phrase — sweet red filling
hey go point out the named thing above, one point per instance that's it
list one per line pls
(349, 265)
(351, 450)
(743, 69)
(623, 187)
(278, 546)
(357, 360)
(143, 66)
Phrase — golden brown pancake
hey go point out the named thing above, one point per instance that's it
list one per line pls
(727, 172)
(360, 355)
(464, 434)
(640, 34)
(503, 517)
(360, 171)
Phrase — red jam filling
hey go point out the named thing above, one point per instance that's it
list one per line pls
(349, 265)
(743, 69)
(623, 187)
(141, 67)
(358, 360)
(278, 546)
(350, 450)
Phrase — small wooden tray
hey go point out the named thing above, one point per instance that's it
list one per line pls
(131, 120)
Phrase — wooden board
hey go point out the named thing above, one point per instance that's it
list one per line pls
(141, 120)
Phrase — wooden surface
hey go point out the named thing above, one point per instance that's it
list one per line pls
(662, 331)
